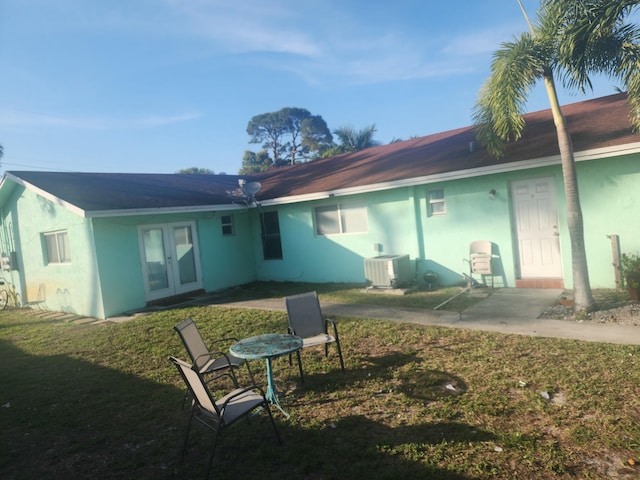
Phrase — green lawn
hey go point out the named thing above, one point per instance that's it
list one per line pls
(87, 401)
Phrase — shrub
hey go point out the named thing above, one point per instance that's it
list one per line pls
(630, 265)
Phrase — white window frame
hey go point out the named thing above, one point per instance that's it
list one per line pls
(437, 202)
(227, 225)
(348, 218)
(62, 254)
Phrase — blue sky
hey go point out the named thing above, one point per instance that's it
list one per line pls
(160, 85)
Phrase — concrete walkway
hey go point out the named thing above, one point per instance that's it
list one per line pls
(506, 310)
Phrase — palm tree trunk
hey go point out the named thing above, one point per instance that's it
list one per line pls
(582, 296)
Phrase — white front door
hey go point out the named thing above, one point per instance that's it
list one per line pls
(536, 217)
(170, 259)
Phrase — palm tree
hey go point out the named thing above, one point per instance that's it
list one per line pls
(572, 39)
(352, 140)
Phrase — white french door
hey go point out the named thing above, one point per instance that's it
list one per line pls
(536, 217)
(170, 259)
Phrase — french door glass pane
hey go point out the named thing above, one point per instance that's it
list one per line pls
(185, 254)
(156, 260)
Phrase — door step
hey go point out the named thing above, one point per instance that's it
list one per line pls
(175, 299)
(540, 283)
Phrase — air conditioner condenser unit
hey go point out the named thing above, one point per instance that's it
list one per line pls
(388, 271)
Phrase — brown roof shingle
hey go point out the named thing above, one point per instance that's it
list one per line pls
(131, 191)
(603, 122)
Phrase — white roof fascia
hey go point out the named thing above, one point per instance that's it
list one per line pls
(43, 193)
(582, 156)
(594, 154)
(162, 211)
(4, 179)
(605, 152)
(307, 197)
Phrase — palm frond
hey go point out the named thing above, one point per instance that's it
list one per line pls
(502, 100)
(592, 36)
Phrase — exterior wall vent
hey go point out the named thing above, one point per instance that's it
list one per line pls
(388, 271)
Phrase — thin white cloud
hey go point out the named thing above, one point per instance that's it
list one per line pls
(333, 47)
(479, 42)
(376, 59)
(240, 27)
(247, 26)
(31, 119)
(161, 120)
(321, 42)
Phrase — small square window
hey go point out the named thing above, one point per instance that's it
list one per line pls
(437, 205)
(227, 224)
(57, 247)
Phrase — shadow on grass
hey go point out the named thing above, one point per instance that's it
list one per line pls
(64, 417)
(355, 447)
(405, 371)
(262, 290)
(31, 321)
(413, 379)
(67, 418)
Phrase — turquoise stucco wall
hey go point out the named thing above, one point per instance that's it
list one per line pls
(308, 257)
(610, 199)
(225, 260)
(471, 215)
(74, 287)
(399, 220)
(105, 275)
(118, 258)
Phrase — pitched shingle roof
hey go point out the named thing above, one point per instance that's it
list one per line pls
(132, 191)
(603, 122)
(599, 123)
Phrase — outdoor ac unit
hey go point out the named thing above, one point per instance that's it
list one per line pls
(388, 271)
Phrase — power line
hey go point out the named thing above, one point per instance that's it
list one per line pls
(34, 167)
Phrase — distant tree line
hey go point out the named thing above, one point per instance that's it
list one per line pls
(196, 171)
(292, 135)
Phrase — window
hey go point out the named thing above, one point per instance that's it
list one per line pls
(341, 219)
(437, 205)
(57, 247)
(271, 246)
(227, 224)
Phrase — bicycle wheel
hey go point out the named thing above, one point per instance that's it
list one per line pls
(4, 299)
(17, 301)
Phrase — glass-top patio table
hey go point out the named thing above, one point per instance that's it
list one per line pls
(267, 346)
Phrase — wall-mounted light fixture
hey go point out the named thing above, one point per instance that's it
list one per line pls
(492, 193)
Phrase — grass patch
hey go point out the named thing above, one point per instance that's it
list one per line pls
(87, 401)
(356, 294)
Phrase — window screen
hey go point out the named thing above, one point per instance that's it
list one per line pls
(57, 247)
